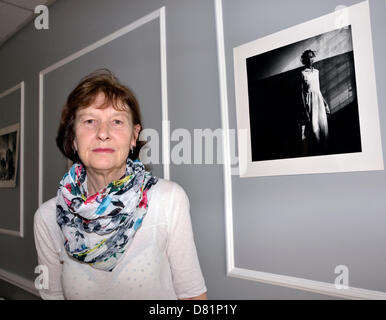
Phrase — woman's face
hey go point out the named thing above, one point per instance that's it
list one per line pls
(310, 59)
(103, 137)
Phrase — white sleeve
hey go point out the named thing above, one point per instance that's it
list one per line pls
(48, 257)
(181, 250)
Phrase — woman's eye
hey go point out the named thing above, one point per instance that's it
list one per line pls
(118, 122)
(89, 121)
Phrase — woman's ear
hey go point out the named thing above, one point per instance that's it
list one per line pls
(136, 130)
(75, 145)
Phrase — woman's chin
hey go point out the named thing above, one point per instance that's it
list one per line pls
(103, 164)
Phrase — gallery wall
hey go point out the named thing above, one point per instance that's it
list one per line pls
(300, 226)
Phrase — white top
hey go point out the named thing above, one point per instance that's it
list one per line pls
(161, 262)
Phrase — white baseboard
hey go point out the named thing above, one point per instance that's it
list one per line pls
(18, 281)
(307, 285)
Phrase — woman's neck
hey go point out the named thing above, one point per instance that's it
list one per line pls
(99, 179)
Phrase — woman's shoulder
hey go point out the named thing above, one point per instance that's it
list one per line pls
(47, 211)
(48, 205)
(167, 188)
(169, 202)
(167, 197)
(167, 185)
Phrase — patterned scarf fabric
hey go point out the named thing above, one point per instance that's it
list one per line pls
(116, 211)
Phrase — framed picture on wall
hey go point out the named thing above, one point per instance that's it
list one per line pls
(307, 98)
(9, 153)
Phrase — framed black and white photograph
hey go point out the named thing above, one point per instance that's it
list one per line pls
(307, 98)
(9, 146)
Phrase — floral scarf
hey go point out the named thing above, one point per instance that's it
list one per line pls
(116, 211)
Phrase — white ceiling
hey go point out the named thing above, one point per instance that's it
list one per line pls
(15, 14)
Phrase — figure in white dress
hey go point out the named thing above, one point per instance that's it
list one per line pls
(315, 125)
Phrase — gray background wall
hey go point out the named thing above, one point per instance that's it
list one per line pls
(300, 226)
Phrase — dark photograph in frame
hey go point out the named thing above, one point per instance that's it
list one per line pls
(302, 99)
(9, 146)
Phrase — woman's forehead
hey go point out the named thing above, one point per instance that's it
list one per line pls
(91, 110)
(100, 100)
(100, 104)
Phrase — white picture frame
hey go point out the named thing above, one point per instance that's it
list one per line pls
(369, 157)
(9, 155)
(19, 232)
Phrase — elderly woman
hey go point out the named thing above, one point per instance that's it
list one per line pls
(113, 231)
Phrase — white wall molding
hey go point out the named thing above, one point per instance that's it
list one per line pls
(307, 285)
(225, 136)
(157, 14)
(252, 275)
(18, 281)
(18, 233)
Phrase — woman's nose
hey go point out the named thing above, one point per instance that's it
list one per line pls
(103, 131)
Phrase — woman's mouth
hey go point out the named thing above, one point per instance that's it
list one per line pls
(108, 150)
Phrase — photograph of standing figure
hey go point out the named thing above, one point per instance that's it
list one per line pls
(303, 99)
(316, 110)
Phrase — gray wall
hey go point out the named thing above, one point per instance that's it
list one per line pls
(300, 226)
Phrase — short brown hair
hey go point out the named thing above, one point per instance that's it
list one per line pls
(83, 95)
(305, 55)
